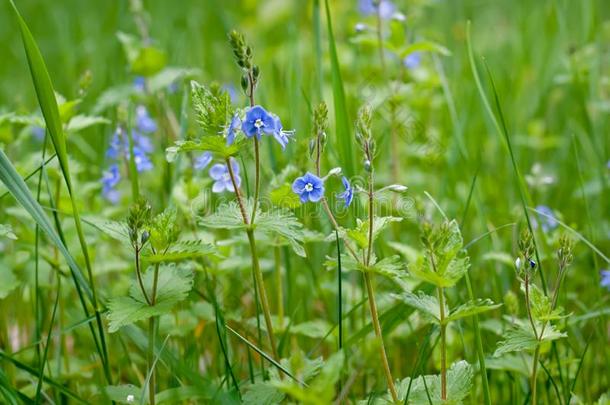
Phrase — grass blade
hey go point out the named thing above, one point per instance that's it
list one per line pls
(342, 125)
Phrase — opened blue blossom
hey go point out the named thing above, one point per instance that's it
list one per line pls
(257, 122)
(110, 179)
(348, 194)
(309, 187)
(202, 161)
(547, 218)
(412, 60)
(232, 129)
(144, 121)
(222, 178)
(605, 278)
(279, 134)
(386, 8)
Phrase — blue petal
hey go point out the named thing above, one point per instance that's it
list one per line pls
(217, 171)
(203, 160)
(316, 194)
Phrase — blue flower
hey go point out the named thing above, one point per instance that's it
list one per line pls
(547, 218)
(232, 129)
(257, 121)
(348, 194)
(412, 60)
(139, 84)
(279, 134)
(144, 122)
(141, 159)
(202, 161)
(605, 278)
(386, 8)
(38, 132)
(309, 187)
(222, 179)
(115, 147)
(110, 179)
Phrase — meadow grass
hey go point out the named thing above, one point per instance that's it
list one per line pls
(187, 278)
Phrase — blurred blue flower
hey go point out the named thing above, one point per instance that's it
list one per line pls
(279, 134)
(110, 179)
(412, 60)
(547, 218)
(229, 88)
(222, 179)
(119, 146)
(115, 147)
(232, 129)
(141, 159)
(348, 194)
(257, 121)
(605, 278)
(309, 187)
(139, 84)
(202, 161)
(144, 122)
(386, 8)
(141, 141)
(38, 132)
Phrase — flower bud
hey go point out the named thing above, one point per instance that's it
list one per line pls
(144, 238)
(397, 188)
(244, 82)
(367, 165)
(334, 172)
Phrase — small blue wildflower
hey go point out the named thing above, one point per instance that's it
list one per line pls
(222, 179)
(139, 84)
(142, 142)
(232, 129)
(386, 8)
(257, 121)
(144, 122)
(279, 134)
(605, 279)
(115, 147)
(348, 194)
(547, 218)
(309, 187)
(202, 161)
(110, 179)
(412, 60)
(38, 132)
(141, 159)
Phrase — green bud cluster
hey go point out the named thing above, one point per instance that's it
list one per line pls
(565, 253)
(320, 125)
(364, 135)
(243, 56)
(140, 214)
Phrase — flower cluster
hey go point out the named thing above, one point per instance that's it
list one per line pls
(120, 148)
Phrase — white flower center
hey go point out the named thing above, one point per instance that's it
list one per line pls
(226, 177)
(258, 123)
(308, 187)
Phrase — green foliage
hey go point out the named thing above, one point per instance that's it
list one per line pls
(472, 308)
(425, 303)
(442, 264)
(213, 108)
(459, 383)
(521, 338)
(185, 250)
(6, 231)
(173, 286)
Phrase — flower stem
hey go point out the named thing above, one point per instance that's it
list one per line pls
(535, 372)
(377, 328)
(257, 179)
(441, 303)
(278, 281)
(151, 341)
(261, 291)
(371, 297)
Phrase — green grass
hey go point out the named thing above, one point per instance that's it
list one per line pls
(506, 112)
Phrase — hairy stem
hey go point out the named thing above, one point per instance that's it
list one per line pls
(534, 374)
(278, 281)
(258, 275)
(139, 276)
(151, 341)
(441, 303)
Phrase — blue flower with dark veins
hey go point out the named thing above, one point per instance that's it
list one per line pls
(144, 121)
(202, 161)
(412, 60)
(222, 178)
(257, 122)
(232, 129)
(605, 279)
(110, 179)
(348, 194)
(279, 134)
(309, 187)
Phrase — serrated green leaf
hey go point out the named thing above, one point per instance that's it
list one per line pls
(213, 108)
(181, 251)
(517, 339)
(392, 267)
(226, 216)
(115, 229)
(459, 383)
(173, 286)
(282, 223)
(471, 308)
(423, 302)
(262, 393)
(213, 144)
(455, 270)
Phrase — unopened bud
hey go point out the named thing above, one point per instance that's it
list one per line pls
(397, 188)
